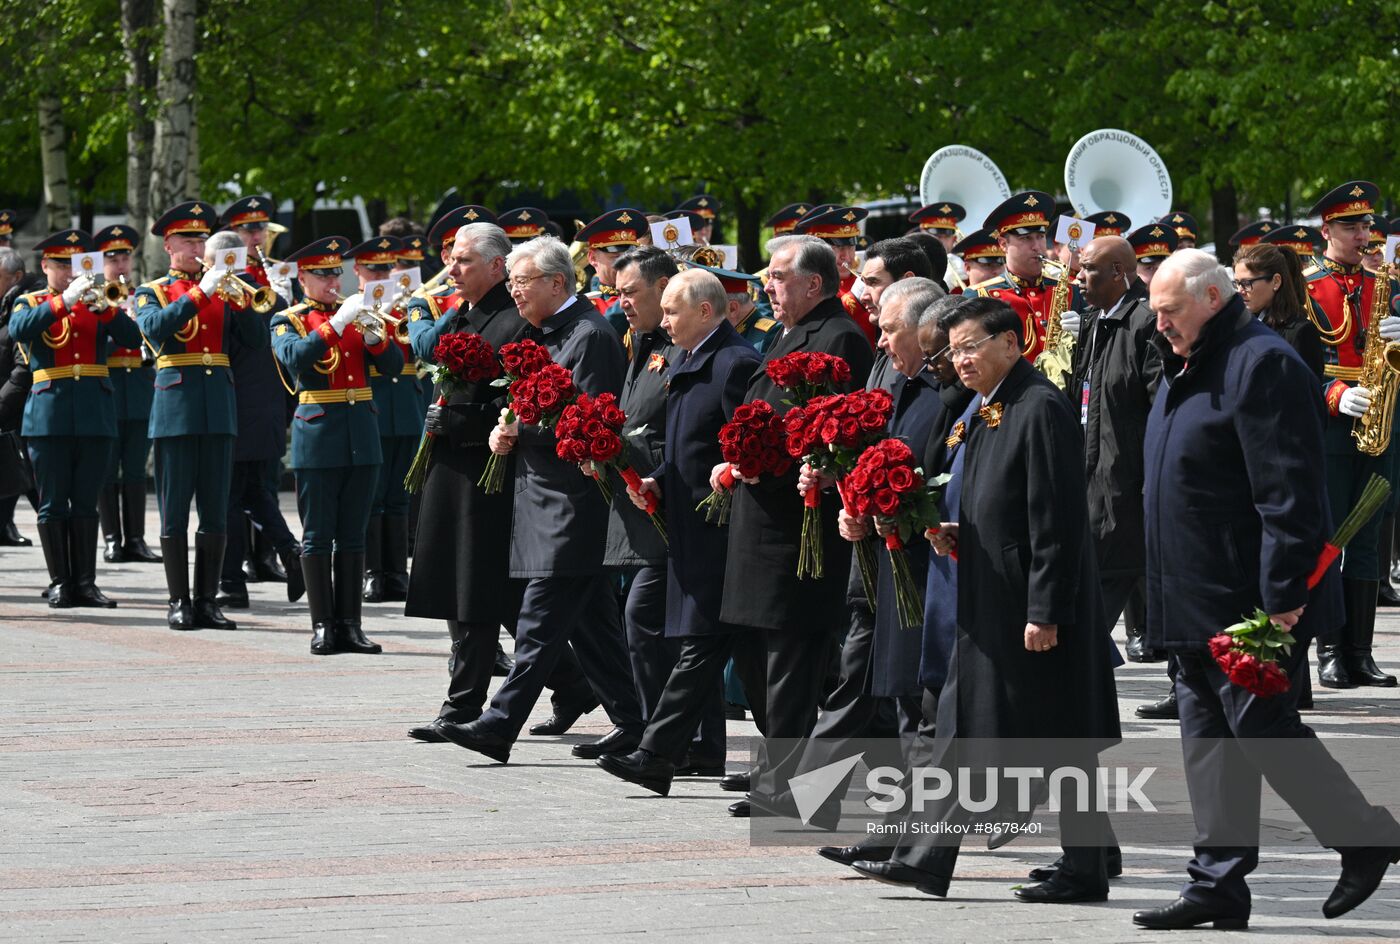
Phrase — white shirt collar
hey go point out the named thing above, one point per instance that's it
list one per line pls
(707, 337)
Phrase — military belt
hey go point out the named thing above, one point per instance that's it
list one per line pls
(351, 395)
(72, 372)
(124, 361)
(192, 360)
(1342, 373)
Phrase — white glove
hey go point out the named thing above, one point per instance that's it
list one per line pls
(75, 289)
(1355, 401)
(347, 312)
(283, 288)
(1070, 322)
(212, 277)
(1390, 328)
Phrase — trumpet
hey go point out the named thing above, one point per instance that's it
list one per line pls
(105, 294)
(384, 323)
(235, 291)
(444, 275)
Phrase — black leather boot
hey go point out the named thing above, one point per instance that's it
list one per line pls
(316, 573)
(264, 557)
(1361, 666)
(109, 514)
(395, 557)
(134, 545)
(250, 541)
(82, 562)
(291, 563)
(175, 554)
(349, 567)
(53, 537)
(1331, 670)
(374, 560)
(208, 564)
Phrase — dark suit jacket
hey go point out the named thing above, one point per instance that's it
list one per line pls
(633, 540)
(761, 588)
(704, 390)
(1235, 504)
(262, 400)
(561, 520)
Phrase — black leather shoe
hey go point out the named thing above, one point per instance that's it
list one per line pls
(734, 712)
(561, 721)
(474, 737)
(850, 855)
(291, 562)
(1114, 867)
(692, 766)
(353, 639)
(616, 741)
(906, 876)
(1182, 914)
(1164, 710)
(1058, 893)
(232, 599)
(1362, 871)
(1387, 595)
(735, 783)
(180, 615)
(112, 551)
(87, 594)
(641, 767)
(740, 809)
(207, 615)
(137, 550)
(430, 732)
(325, 639)
(10, 536)
(268, 568)
(502, 667)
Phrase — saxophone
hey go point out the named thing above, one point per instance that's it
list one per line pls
(1056, 360)
(1380, 374)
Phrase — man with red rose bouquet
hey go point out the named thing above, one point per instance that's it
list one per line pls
(560, 520)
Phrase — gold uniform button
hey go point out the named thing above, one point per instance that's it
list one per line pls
(207, 359)
(350, 396)
(206, 350)
(77, 371)
(208, 373)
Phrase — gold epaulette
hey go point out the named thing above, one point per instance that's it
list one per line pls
(1312, 269)
(982, 284)
(291, 315)
(765, 324)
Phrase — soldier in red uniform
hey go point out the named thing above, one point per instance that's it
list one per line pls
(1188, 231)
(839, 228)
(524, 223)
(1019, 225)
(608, 237)
(983, 259)
(1151, 244)
(1343, 291)
(1251, 234)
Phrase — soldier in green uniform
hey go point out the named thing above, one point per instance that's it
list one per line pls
(70, 420)
(122, 503)
(188, 325)
(327, 351)
(398, 397)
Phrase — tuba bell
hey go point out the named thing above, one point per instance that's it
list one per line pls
(1110, 169)
(964, 175)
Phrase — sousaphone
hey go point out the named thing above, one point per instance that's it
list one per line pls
(960, 174)
(1110, 169)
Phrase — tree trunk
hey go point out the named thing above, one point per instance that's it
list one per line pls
(192, 158)
(1225, 219)
(170, 148)
(749, 223)
(138, 22)
(53, 142)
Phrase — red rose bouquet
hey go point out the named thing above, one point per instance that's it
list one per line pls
(828, 434)
(590, 431)
(518, 359)
(540, 399)
(459, 359)
(888, 485)
(752, 442)
(806, 374)
(1248, 651)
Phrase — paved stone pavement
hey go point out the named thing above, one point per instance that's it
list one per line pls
(211, 786)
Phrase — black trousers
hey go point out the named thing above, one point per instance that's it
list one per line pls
(554, 613)
(687, 695)
(249, 492)
(654, 656)
(1221, 728)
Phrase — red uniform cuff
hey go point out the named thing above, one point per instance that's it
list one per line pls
(57, 307)
(327, 334)
(1334, 397)
(196, 295)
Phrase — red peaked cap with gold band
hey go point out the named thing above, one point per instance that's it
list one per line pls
(1304, 240)
(834, 223)
(1354, 201)
(1251, 234)
(524, 223)
(785, 219)
(376, 251)
(115, 238)
(1184, 223)
(254, 209)
(7, 222)
(192, 218)
(616, 228)
(1109, 223)
(1022, 213)
(444, 231)
(1153, 241)
(702, 205)
(980, 245)
(412, 249)
(321, 256)
(64, 244)
(938, 216)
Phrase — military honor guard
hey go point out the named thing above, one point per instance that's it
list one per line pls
(983, 259)
(1019, 224)
(1304, 241)
(1358, 318)
(70, 419)
(1152, 244)
(7, 228)
(122, 504)
(524, 224)
(1251, 234)
(787, 218)
(1109, 223)
(430, 308)
(701, 210)
(1381, 229)
(607, 237)
(1188, 231)
(399, 399)
(187, 320)
(839, 228)
(326, 347)
(941, 220)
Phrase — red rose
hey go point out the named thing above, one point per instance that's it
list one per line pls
(743, 413)
(1221, 644)
(850, 429)
(901, 478)
(1272, 680)
(879, 476)
(548, 398)
(886, 501)
(1244, 671)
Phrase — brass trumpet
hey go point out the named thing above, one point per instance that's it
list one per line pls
(105, 294)
(235, 291)
(444, 275)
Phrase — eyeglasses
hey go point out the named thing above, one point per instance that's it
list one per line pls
(1245, 285)
(522, 282)
(967, 350)
(931, 360)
